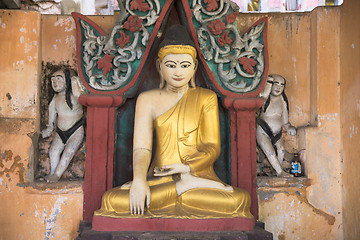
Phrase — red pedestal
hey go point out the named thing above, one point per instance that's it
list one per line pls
(172, 224)
(100, 142)
(243, 145)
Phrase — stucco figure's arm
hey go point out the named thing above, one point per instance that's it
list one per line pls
(267, 89)
(143, 134)
(208, 139)
(285, 121)
(52, 117)
(76, 86)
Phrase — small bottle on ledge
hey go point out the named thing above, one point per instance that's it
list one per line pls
(296, 169)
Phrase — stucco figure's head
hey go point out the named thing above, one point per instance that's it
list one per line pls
(277, 89)
(177, 62)
(278, 84)
(61, 81)
(58, 81)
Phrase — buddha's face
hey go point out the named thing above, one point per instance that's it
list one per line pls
(278, 86)
(177, 69)
(58, 81)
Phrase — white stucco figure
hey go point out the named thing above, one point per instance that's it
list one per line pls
(274, 115)
(66, 117)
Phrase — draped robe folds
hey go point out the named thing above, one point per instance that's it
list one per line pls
(187, 133)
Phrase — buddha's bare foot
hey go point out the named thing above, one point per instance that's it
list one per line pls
(126, 185)
(285, 174)
(189, 181)
(52, 178)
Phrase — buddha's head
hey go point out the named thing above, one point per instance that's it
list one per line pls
(177, 62)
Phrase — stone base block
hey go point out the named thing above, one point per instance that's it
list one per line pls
(258, 233)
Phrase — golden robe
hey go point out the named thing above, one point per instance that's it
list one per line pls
(188, 133)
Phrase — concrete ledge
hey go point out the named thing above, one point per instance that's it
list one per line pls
(258, 233)
(283, 182)
(61, 187)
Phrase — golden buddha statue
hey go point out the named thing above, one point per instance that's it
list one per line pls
(180, 182)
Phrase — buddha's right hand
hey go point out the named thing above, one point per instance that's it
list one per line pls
(139, 192)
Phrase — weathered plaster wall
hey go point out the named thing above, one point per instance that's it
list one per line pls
(350, 116)
(31, 44)
(304, 48)
(27, 211)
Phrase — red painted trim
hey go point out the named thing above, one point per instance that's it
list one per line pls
(254, 206)
(124, 89)
(111, 149)
(211, 75)
(172, 224)
(100, 140)
(101, 101)
(87, 187)
(243, 145)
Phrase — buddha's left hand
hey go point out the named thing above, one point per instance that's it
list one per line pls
(171, 169)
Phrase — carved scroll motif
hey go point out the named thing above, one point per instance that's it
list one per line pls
(109, 61)
(237, 59)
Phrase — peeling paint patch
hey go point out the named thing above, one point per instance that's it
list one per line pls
(22, 39)
(353, 131)
(3, 25)
(11, 165)
(27, 48)
(51, 219)
(352, 46)
(267, 195)
(294, 64)
(71, 41)
(298, 112)
(19, 104)
(292, 203)
(69, 24)
(301, 196)
(327, 117)
(22, 29)
(19, 65)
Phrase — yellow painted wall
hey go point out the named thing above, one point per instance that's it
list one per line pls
(316, 52)
(350, 116)
(304, 48)
(27, 211)
(33, 210)
(328, 208)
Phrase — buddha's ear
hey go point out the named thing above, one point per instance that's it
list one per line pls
(158, 65)
(196, 64)
(192, 80)
(162, 82)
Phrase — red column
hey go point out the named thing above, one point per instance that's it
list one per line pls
(243, 145)
(100, 143)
